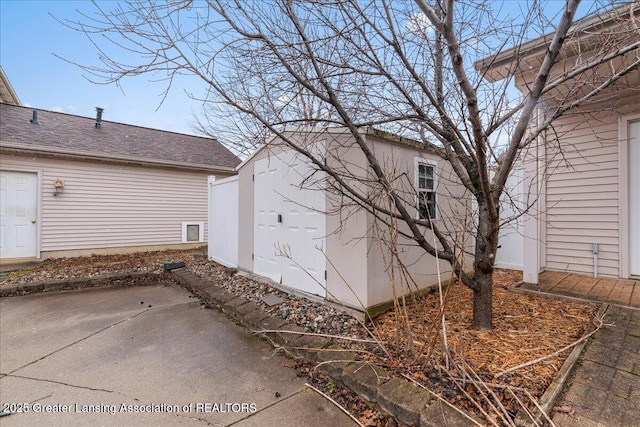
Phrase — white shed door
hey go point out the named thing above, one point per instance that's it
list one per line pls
(266, 229)
(289, 220)
(634, 198)
(18, 214)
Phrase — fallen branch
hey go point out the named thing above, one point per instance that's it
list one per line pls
(494, 385)
(472, 400)
(542, 411)
(335, 403)
(599, 326)
(479, 385)
(340, 337)
(461, 412)
(524, 407)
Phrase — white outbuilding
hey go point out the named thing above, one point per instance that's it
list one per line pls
(297, 228)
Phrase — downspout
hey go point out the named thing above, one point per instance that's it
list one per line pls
(541, 176)
(541, 163)
(538, 206)
(595, 260)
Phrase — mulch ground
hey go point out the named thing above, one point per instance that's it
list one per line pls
(525, 328)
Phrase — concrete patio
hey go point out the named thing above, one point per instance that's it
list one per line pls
(143, 356)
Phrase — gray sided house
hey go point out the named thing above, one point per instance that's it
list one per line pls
(75, 185)
(582, 175)
(295, 229)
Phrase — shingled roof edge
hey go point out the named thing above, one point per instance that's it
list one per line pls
(66, 133)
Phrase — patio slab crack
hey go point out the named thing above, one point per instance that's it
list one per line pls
(87, 337)
(75, 386)
(24, 377)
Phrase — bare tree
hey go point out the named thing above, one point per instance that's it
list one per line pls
(406, 67)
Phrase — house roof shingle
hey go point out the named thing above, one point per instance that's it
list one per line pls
(63, 133)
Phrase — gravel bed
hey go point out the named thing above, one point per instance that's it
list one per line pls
(310, 315)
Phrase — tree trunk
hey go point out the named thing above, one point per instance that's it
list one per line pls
(482, 302)
(485, 258)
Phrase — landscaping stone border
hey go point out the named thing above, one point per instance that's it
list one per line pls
(405, 401)
(80, 283)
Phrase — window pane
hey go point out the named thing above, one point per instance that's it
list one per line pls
(423, 204)
(427, 204)
(193, 233)
(431, 204)
(425, 177)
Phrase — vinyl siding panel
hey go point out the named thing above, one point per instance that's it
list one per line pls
(452, 205)
(582, 195)
(558, 239)
(108, 205)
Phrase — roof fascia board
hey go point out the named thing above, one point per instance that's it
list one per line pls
(9, 87)
(368, 131)
(538, 45)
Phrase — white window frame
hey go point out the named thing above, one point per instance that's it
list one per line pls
(200, 225)
(416, 167)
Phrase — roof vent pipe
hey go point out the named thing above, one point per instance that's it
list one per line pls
(34, 119)
(99, 117)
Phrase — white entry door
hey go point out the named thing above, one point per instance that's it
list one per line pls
(18, 214)
(634, 198)
(289, 229)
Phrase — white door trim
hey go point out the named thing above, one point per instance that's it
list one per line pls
(38, 173)
(623, 190)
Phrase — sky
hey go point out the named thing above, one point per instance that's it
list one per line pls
(30, 38)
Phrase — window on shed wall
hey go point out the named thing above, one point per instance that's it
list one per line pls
(426, 189)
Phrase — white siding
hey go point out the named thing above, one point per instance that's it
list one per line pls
(347, 251)
(582, 203)
(510, 244)
(453, 207)
(113, 205)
